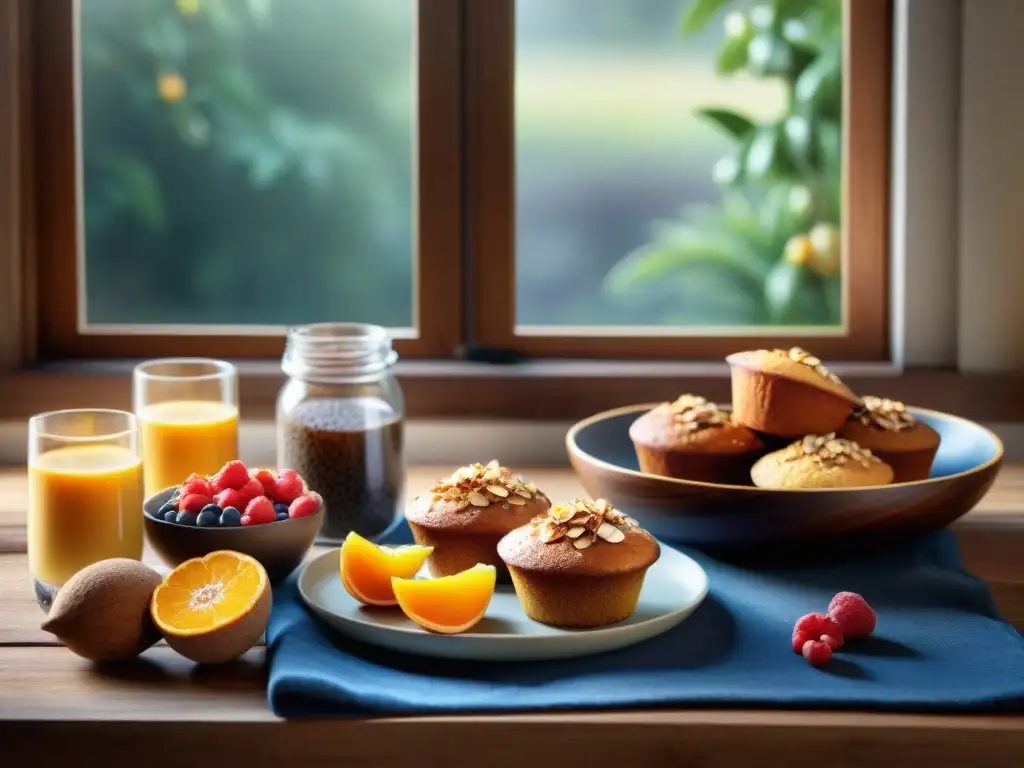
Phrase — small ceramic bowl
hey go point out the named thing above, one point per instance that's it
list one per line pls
(280, 546)
(746, 517)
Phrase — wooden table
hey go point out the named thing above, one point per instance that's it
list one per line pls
(56, 708)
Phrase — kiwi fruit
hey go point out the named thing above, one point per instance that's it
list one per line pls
(102, 612)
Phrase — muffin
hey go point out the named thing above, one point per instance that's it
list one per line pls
(693, 439)
(821, 461)
(465, 516)
(580, 565)
(891, 432)
(787, 393)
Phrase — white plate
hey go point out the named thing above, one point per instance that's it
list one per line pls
(675, 585)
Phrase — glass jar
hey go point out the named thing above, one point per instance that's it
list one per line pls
(340, 424)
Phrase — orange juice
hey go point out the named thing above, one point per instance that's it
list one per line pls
(180, 437)
(86, 506)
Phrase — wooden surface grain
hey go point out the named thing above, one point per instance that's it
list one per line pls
(55, 707)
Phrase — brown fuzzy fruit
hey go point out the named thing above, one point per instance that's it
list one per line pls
(102, 612)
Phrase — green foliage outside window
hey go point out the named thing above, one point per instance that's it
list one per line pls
(771, 246)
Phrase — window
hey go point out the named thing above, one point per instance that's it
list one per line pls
(578, 178)
(244, 165)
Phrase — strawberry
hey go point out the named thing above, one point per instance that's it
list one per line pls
(251, 489)
(288, 486)
(194, 502)
(306, 504)
(246, 520)
(231, 498)
(233, 475)
(196, 484)
(260, 510)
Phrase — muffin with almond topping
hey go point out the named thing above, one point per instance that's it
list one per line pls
(787, 393)
(581, 564)
(891, 432)
(821, 461)
(464, 516)
(692, 439)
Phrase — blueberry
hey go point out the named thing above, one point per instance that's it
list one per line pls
(282, 515)
(281, 509)
(162, 514)
(209, 516)
(230, 517)
(171, 516)
(187, 518)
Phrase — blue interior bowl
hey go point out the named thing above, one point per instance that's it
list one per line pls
(709, 514)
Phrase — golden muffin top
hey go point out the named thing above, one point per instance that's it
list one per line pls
(821, 461)
(580, 538)
(794, 363)
(692, 422)
(487, 497)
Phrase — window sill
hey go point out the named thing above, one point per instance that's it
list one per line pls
(534, 390)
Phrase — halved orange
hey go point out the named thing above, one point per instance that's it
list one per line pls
(213, 609)
(367, 568)
(449, 604)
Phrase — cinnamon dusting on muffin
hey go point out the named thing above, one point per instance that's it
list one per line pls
(829, 450)
(883, 413)
(480, 485)
(692, 412)
(583, 522)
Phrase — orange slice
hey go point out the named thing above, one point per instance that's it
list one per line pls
(213, 609)
(450, 604)
(367, 568)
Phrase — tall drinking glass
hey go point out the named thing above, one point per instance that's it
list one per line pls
(188, 417)
(85, 493)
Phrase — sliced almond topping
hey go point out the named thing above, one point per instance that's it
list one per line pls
(516, 501)
(497, 490)
(575, 532)
(493, 464)
(477, 499)
(551, 533)
(583, 542)
(561, 513)
(610, 533)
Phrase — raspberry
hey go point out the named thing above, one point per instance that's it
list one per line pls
(288, 486)
(194, 502)
(817, 652)
(853, 614)
(233, 475)
(251, 490)
(306, 504)
(816, 627)
(267, 480)
(231, 498)
(196, 484)
(260, 510)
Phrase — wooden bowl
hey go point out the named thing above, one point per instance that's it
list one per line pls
(280, 546)
(745, 517)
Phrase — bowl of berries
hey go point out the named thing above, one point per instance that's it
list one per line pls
(269, 515)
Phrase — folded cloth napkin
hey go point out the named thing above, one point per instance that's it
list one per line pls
(938, 646)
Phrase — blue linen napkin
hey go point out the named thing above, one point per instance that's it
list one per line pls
(939, 646)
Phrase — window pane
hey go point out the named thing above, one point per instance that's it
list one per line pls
(633, 208)
(247, 161)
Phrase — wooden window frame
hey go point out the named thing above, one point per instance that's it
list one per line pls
(438, 231)
(490, 192)
(466, 203)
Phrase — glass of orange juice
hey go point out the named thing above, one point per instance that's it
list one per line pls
(188, 417)
(85, 493)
